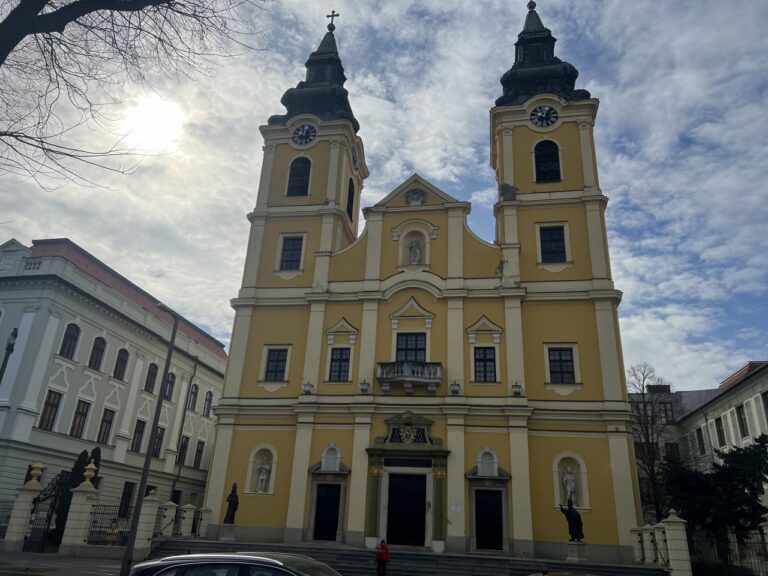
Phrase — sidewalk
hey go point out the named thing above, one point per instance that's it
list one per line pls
(33, 564)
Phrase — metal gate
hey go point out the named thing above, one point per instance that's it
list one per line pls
(39, 536)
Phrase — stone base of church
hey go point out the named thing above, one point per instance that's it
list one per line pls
(522, 548)
(600, 553)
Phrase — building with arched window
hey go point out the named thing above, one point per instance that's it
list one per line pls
(417, 383)
(84, 373)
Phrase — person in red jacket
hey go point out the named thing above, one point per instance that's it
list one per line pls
(382, 557)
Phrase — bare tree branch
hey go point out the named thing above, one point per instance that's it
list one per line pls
(64, 63)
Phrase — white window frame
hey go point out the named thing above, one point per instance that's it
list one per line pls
(495, 464)
(324, 458)
(563, 389)
(288, 274)
(554, 267)
(331, 347)
(274, 385)
(474, 344)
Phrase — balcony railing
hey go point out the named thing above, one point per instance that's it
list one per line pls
(409, 374)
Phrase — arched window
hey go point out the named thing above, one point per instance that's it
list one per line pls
(207, 403)
(97, 353)
(192, 400)
(331, 459)
(169, 386)
(121, 363)
(351, 200)
(487, 463)
(547, 158)
(69, 343)
(149, 382)
(298, 177)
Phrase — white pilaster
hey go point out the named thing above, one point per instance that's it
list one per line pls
(253, 254)
(608, 342)
(214, 495)
(237, 351)
(41, 363)
(513, 320)
(457, 512)
(368, 340)
(455, 249)
(332, 187)
(373, 252)
(598, 254)
(294, 524)
(587, 157)
(266, 176)
(624, 501)
(314, 342)
(522, 518)
(455, 335)
(508, 168)
(358, 480)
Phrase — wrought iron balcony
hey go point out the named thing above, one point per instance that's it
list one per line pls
(409, 374)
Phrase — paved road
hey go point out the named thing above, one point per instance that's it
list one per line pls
(32, 564)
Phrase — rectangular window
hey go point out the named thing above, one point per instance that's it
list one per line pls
(552, 240)
(561, 368)
(276, 363)
(720, 431)
(199, 454)
(339, 371)
(411, 347)
(290, 257)
(79, 419)
(105, 426)
(741, 418)
(138, 436)
(157, 447)
(700, 441)
(666, 414)
(181, 457)
(126, 499)
(50, 410)
(485, 364)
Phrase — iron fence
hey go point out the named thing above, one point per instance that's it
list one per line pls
(709, 554)
(108, 526)
(6, 507)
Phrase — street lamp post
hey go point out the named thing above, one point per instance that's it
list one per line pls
(125, 567)
(9, 347)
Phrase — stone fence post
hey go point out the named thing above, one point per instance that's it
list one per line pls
(202, 526)
(18, 524)
(187, 516)
(79, 516)
(649, 554)
(169, 514)
(637, 542)
(677, 545)
(146, 527)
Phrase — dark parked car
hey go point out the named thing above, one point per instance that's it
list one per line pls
(238, 564)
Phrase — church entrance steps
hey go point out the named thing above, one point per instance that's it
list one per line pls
(350, 561)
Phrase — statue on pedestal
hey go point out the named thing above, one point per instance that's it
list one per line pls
(575, 525)
(232, 503)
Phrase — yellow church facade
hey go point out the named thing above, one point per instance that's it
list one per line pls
(416, 383)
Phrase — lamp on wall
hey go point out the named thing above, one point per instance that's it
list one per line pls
(455, 388)
(517, 389)
(9, 347)
(307, 387)
(365, 387)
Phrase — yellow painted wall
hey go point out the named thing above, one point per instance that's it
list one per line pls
(261, 509)
(575, 216)
(567, 138)
(319, 155)
(480, 259)
(274, 327)
(549, 524)
(561, 322)
(349, 265)
(270, 256)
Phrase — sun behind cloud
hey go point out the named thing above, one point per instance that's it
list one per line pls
(154, 125)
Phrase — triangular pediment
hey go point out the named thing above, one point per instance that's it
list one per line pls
(484, 326)
(415, 192)
(412, 309)
(12, 244)
(342, 327)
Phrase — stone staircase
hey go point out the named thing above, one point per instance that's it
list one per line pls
(351, 561)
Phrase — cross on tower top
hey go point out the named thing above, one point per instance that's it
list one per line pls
(332, 15)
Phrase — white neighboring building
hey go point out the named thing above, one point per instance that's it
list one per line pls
(735, 417)
(86, 372)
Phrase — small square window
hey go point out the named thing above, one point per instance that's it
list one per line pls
(277, 359)
(561, 367)
(290, 257)
(552, 239)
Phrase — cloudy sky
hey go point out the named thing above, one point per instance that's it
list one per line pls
(682, 135)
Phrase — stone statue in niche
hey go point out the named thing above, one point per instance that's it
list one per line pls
(232, 503)
(569, 483)
(265, 469)
(415, 251)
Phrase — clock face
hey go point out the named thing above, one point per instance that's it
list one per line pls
(543, 116)
(304, 134)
